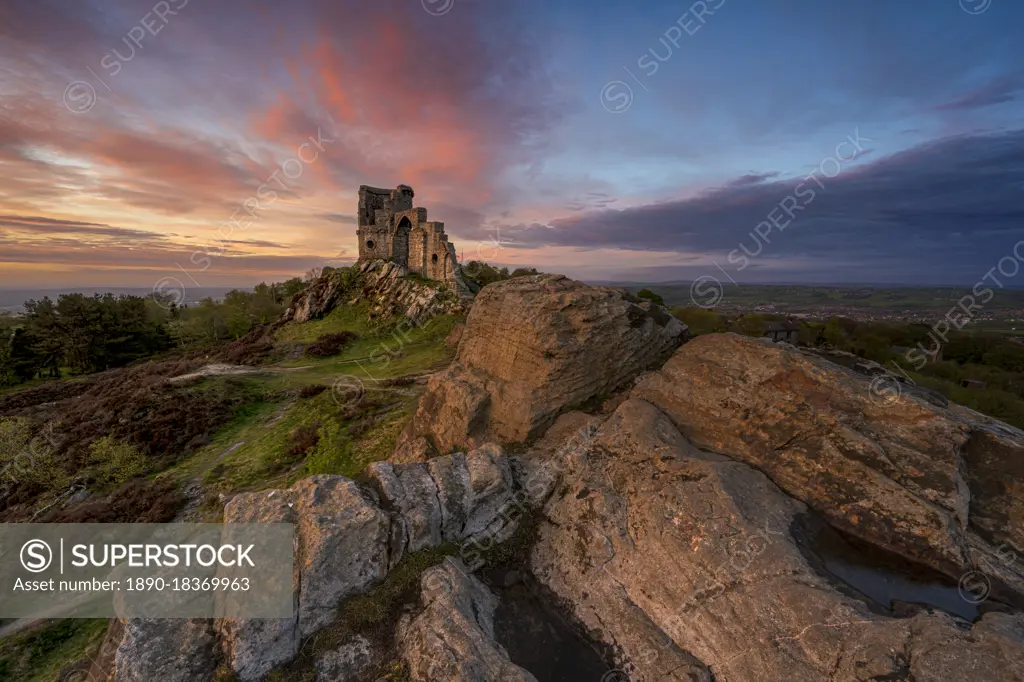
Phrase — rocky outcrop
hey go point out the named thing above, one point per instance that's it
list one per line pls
(533, 347)
(350, 535)
(342, 551)
(448, 499)
(347, 661)
(452, 640)
(386, 287)
(166, 649)
(343, 546)
(680, 522)
(690, 565)
(321, 297)
(253, 646)
(886, 466)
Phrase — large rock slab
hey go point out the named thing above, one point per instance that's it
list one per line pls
(254, 646)
(533, 347)
(876, 461)
(343, 546)
(452, 640)
(409, 490)
(166, 649)
(687, 564)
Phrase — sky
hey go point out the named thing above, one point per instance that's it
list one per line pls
(222, 142)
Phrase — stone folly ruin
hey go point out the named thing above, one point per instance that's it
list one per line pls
(390, 228)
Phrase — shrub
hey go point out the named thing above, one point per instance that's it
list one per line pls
(304, 438)
(333, 452)
(28, 459)
(650, 296)
(312, 390)
(330, 344)
(255, 348)
(118, 461)
(137, 501)
(699, 320)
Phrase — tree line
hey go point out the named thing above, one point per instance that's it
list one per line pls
(79, 334)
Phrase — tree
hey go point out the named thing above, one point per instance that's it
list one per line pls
(699, 320)
(287, 289)
(750, 325)
(23, 360)
(484, 274)
(834, 334)
(650, 296)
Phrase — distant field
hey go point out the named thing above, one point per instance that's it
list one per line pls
(1002, 312)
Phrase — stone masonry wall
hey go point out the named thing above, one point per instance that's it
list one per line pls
(391, 228)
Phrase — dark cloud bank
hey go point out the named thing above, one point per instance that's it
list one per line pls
(943, 212)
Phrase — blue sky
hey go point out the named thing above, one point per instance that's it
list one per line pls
(611, 140)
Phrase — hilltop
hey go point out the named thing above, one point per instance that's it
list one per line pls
(572, 485)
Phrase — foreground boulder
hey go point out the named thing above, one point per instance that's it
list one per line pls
(342, 551)
(452, 640)
(532, 347)
(886, 466)
(689, 565)
(165, 649)
(253, 646)
(349, 536)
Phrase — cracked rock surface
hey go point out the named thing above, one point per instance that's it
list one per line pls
(452, 640)
(687, 562)
(533, 347)
(879, 463)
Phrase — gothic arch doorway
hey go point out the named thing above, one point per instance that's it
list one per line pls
(400, 244)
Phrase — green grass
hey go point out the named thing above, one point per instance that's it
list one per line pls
(253, 452)
(39, 654)
(342, 318)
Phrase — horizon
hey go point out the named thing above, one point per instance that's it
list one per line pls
(877, 145)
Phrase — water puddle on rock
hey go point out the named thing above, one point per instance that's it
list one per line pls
(537, 636)
(887, 579)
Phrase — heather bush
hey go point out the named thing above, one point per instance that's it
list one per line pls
(118, 461)
(330, 344)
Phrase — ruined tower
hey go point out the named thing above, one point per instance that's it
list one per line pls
(391, 228)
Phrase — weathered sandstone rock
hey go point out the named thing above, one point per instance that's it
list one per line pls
(452, 640)
(455, 336)
(877, 462)
(489, 492)
(346, 662)
(409, 490)
(343, 550)
(254, 646)
(415, 450)
(534, 346)
(169, 650)
(452, 477)
(343, 546)
(688, 564)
